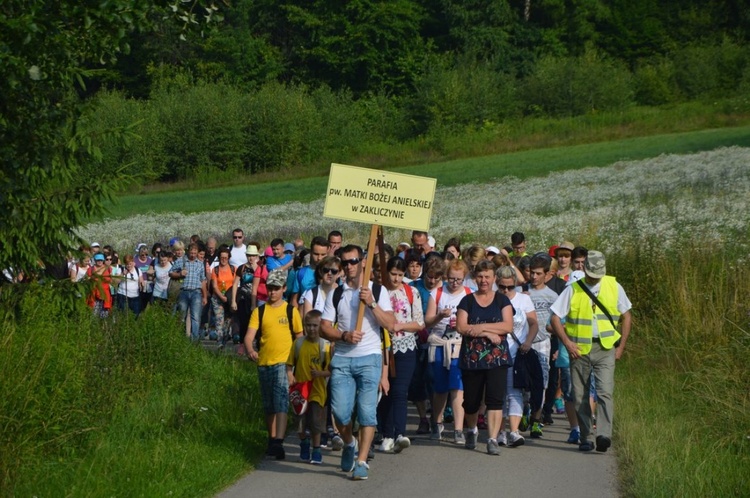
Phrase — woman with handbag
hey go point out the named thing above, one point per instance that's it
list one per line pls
(525, 327)
(484, 318)
(407, 306)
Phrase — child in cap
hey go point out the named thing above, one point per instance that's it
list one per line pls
(308, 362)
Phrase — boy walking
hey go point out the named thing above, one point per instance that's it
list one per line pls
(308, 363)
(278, 324)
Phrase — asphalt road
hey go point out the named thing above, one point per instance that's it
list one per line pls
(542, 467)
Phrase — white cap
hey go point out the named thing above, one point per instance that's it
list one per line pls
(492, 249)
(95, 244)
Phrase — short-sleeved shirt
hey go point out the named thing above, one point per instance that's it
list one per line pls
(478, 353)
(522, 306)
(319, 295)
(276, 338)
(273, 262)
(561, 307)
(309, 358)
(237, 256)
(196, 273)
(347, 320)
(543, 300)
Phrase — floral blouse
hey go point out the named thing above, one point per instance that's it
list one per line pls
(406, 311)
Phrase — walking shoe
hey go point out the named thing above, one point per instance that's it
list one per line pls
(559, 406)
(502, 439)
(515, 439)
(402, 442)
(585, 446)
(377, 439)
(317, 457)
(492, 447)
(575, 436)
(602, 443)
(278, 451)
(336, 443)
(437, 432)
(424, 426)
(547, 419)
(448, 415)
(387, 446)
(304, 450)
(458, 437)
(481, 423)
(536, 430)
(347, 457)
(360, 471)
(524, 424)
(471, 440)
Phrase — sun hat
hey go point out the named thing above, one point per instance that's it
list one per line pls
(252, 251)
(565, 245)
(277, 278)
(595, 265)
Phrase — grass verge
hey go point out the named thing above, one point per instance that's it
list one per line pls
(95, 408)
(519, 164)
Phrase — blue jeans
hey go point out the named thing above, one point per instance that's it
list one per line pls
(191, 300)
(392, 408)
(357, 379)
(132, 303)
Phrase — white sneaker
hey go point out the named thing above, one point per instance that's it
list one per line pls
(515, 439)
(402, 442)
(387, 445)
(502, 439)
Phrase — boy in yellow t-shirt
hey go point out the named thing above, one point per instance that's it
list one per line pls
(308, 362)
(279, 324)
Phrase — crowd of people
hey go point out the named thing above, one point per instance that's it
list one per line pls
(445, 330)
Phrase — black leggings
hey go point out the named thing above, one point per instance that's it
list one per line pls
(489, 384)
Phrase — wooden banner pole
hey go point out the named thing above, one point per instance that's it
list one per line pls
(365, 278)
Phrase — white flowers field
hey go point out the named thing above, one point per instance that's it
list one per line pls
(703, 197)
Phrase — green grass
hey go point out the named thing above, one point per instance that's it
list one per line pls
(519, 164)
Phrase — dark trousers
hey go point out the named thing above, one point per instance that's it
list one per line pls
(392, 408)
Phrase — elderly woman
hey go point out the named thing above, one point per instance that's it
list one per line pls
(129, 286)
(484, 318)
(407, 306)
(222, 284)
(444, 348)
(525, 327)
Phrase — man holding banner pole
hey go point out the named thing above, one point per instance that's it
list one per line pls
(358, 371)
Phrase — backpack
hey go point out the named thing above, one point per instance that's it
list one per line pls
(339, 292)
(440, 293)
(289, 317)
(216, 270)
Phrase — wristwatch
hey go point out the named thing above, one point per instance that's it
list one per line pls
(373, 305)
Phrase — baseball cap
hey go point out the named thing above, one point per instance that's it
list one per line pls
(138, 247)
(173, 240)
(553, 249)
(252, 251)
(276, 278)
(289, 247)
(95, 244)
(595, 265)
(99, 257)
(492, 249)
(565, 245)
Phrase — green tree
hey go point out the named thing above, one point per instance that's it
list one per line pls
(47, 50)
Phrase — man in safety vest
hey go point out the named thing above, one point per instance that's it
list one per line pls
(591, 309)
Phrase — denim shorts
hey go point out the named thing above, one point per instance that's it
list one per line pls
(274, 388)
(355, 379)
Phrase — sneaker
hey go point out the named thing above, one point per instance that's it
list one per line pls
(317, 457)
(324, 440)
(304, 450)
(448, 415)
(471, 440)
(502, 439)
(437, 432)
(424, 426)
(360, 471)
(458, 437)
(387, 446)
(347, 457)
(278, 452)
(547, 419)
(559, 406)
(585, 446)
(336, 443)
(378, 439)
(492, 447)
(574, 437)
(602, 443)
(515, 439)
(402, 442)
(481, 423)
(536, 430)
(524, 424)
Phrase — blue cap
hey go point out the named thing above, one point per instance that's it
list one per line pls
(173, 240)
(99, 257)
(289, 247)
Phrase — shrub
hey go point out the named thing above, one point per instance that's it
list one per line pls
(570, 86)
(655, 83)
(710, 70)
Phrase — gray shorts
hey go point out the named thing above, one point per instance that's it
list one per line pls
(313, 420)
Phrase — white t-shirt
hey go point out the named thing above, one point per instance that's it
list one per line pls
(161, 280)
(543, 300)
(447, 300)
(347, 319)
(320, 298)
(561, 307)
(238, 256)
(130, 283)
(522, 306)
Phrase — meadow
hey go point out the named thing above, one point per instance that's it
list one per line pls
(89, 408)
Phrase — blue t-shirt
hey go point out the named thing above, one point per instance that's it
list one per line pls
(272, 263)
(304, 280)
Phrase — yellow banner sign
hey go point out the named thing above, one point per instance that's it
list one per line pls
(379, 197)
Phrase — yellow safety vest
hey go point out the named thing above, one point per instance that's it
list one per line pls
(578, 323)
